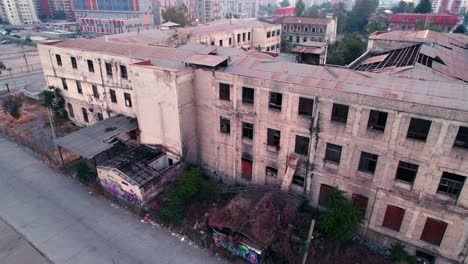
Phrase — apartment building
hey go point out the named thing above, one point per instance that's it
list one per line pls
(208, 10)
(383, 130)
(410, 21)
(239, 8)
(19, 12)
(301, 29)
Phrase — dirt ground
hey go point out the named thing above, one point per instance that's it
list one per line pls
(32, 129)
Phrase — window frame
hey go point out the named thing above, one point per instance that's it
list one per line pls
(64, 84)
(71, 112)
(305, 102)
(85, 114)
(375, 121)
(304, 141)
(224, 125)
(427, 233)
(58, 60)
(273, 137)
(247, 130)
(462, 138)
(79, 88)
(123, 71)
(329, 152)
(338, 117)
(298, 180)
(108, 67)
(224, 91)
(246, 97)
(271, 171)
(366, 160)
(74, 62)
(416, 127)
(95, 91)
(389, 222)
(128, 100)
(90, 65)
(275, 101)
(451, 184)
(405, 168)
(113, 96)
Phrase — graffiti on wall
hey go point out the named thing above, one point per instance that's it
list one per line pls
(115, 189)
(239, 249)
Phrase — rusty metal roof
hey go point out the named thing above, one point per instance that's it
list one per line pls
(309, 50)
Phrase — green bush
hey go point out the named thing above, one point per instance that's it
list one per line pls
(83, 172)
(341, 218)
(13, 106)
(399, 254)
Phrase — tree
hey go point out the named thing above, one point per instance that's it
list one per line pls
(177, 15)
(400, 8)
(300, 8)
(423, 7)
(340, 219)
(459, 29)
(12, 105)
(348, 49)
(312, 11)
(269, 9)
(285, 3)
(358, 17)
(53, 99)
(376, 26)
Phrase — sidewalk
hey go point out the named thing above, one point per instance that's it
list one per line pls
(69, 225)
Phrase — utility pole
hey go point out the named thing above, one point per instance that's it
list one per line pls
(25, 59)
(309, 238)
(54, 135)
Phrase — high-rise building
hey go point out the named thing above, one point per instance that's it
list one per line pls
(447, 6)
(62, 9)
(19, 12)
(239, 8)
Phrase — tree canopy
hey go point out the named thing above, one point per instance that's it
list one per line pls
(300, 8)
(269, 9)
(423, 7)
(346, 50)
(460, 29)
(376, 26)
(177, 15)
(357, 19)
(285, 3)
(403, 7)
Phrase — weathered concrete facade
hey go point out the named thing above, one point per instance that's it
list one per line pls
(250, 122)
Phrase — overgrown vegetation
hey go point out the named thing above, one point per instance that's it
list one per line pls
(348, 49)
(192, 185)
(460, 29)
(12, 105)
(340, 219)
(53, 99)
(399, 254)
(83, 172)
(177, 15)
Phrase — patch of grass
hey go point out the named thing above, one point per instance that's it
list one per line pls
(83, 173)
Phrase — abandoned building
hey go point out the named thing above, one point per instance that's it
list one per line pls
(391, 130)
(297, 30)
(311, 52)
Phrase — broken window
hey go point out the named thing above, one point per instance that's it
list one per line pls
(220, 42)
(113, 96)
(230, 42)
(128, 100)
(360, 201)
(434, 231)
(123, 72)
(70, 110)
(85, 114)
(108, 69)
(269, 34)
(340, 113)
(302, 145)
(225, 125)
(298, 180)
(248, 36)
(247, 130)
(246, 169)
(58, 58)
(272, 172)
(73, 62)
(278, 32)
(90, 66)
(418, 129)
(247, 95)
(462, 138)
(377, 120)
(393, 217)
(64, 84)
(100, 117)
(451, 184)
(78, 87)
(243, 36)
(333, 153)
(368, 162)
(325, 191)
(406, 172)
(273, 137)
(238, 38)
(276, 100)
(306, 106)
(212, 43)
(224, 91)
(95, 92)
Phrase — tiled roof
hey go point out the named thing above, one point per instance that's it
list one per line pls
(284, 10)
(303, 20)
(413, 18)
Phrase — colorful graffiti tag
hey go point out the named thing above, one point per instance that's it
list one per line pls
(239, 249)
(115, 189)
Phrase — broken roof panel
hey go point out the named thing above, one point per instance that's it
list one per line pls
(97, 138)
(205, 60)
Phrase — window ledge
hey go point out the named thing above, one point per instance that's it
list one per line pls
(274, 110)
(273, 148)
(403, 185)
(365, 174)
(247, 141)
(331, 164)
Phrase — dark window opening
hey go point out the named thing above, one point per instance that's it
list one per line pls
(377, 120)
(325, 191)
(247, 130)
(273, 137)
(302, 145)
(64, 84)
(434, 231)
(276, 100)
(269, 34)
(225, 125)
(272, 172)
(462, 138)
(70, 110)
(423, 256)
(123, 72)
(406, 172)
(95, 92)
(451, 184)
(170, 162)
(85, 114)
(278, 32)
(90, 66)
(128, 100)
(243, 36)
(100, 117)
(361, 202)
(230, 41)
(78, 87)
(298, 180)
(419, 129)
(333, 153)
(113, 96)
(340, 113)
(393, 218)
(108, 69)
(238, 38)
(224, 93)
(220, 42)
(368, 162)
(58, 59)
(73, 62)
(248, 35)
(247, 95)
(306, 106)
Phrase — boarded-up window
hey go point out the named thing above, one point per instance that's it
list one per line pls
(360, 201)
(433, 231)
(393, 217)
(246, 169)
(325, 191)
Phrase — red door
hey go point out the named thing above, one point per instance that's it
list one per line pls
(246, 169)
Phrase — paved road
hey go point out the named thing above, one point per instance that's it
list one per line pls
(68, 225)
